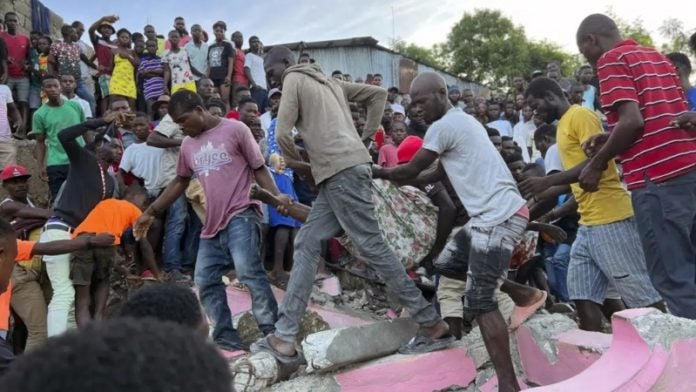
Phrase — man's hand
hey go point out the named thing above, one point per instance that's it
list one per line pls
(595, 143)
(685, 120)
(285, 201)
(378, 171)
(119, 118)
(110, 18)
(589, 177)
(101, 240)
(142, 225)
(533, 186)
(556, 233)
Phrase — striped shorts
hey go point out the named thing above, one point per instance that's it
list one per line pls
(610, 253)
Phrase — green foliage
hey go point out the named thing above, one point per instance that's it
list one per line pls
(677, 37)
(633, 30)
(418, 53)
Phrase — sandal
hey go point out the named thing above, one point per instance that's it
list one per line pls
(264, 345)
(421, 344)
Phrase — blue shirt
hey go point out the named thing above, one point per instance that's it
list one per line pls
(691, 98)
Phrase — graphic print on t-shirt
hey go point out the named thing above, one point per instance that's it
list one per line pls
(215, 56)
(210, 158)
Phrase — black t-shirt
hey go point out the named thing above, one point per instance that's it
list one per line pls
(3, 52)
(86, 184)
(218, 59)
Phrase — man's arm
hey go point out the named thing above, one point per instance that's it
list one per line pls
(52, 65)
(287, 117)
(172, 192)
(68, 136)
(265, 180)
(423, 159)
(68, 246)
(158, 140)
(247, 73)
(374, 98)
(627, 130)
(14, 115)
(167, 73)
(21, 210)
(41, 155)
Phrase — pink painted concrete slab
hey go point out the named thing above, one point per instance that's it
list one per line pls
(571, 356)
(230, 355)
(330, 286)
(492, 385)
(425, 372)
(629, 364)
(679, 373)
(239, 302)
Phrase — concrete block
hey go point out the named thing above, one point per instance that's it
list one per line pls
(552, 349)
(649, 351)
(425, 372)
(254, 373)
(336, 348)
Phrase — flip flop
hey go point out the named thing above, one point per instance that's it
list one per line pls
(264, 345)
(521, 314)
(421, 344)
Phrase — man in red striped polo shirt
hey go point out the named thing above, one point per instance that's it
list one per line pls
(641, 94)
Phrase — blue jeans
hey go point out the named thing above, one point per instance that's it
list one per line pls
(174, 228)
(83, 92)
(557, 258)
(666, 218)
(192, 238)
(238, 246)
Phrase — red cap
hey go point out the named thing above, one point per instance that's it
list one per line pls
(14, 171)
(408, 148)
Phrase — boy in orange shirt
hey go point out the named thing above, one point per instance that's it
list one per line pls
(13, 250)
(89, 266)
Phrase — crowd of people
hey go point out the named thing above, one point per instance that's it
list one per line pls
(183, 159)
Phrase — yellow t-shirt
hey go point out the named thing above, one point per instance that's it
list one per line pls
(611, 203)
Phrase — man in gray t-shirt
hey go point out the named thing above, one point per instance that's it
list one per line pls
(487, 190)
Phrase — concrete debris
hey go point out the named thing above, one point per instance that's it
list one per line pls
(545, 328)
(660, 329)
(249, 331)
(336, 348)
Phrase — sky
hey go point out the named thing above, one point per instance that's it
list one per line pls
(423, 22)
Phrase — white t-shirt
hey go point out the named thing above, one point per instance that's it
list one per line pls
(503, 126)
(144, 162)
(476, 170)
(172, 130)
(552, 161)
(84, 105)
(5, 98)
(522, 133)
(255, 64)
(266, 121)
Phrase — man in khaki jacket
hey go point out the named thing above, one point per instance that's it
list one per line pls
(341, 166)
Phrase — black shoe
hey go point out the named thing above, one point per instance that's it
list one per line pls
(455, 326)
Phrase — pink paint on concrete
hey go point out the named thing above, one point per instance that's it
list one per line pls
(678, 374)
(391, 314)
(492, 385)
(239, 301)
(337, 319)
(331, 286)
(230, 355)
(425, 372)
(575, 351)
(629, 365)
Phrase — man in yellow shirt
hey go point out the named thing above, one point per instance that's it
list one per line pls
(607, 248)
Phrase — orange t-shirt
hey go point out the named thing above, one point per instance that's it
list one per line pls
(111, 216)
(24, 251)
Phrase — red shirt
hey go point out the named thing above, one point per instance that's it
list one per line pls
(238, 75)
(105, 56)
(18, 47)
(232, 114)
(630, 72)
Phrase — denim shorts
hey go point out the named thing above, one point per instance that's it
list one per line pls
(488, 250)
(21, 85)
(605, 254)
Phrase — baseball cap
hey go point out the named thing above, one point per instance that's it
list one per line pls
(14, 171)
(408, 148)
(274, 91)
(453, 88)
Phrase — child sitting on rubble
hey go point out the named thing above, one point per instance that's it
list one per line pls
(285, 227)
(93, 266)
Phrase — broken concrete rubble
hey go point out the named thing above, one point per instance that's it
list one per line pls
(335, 348)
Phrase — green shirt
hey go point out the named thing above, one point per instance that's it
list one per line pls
(49, 121)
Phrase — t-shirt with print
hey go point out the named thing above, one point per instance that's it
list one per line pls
(476, 170)
(68, 57)
(168, 128)
(179, 66)
(50, 120)
(18, 46)
(111, 216)
(5, 98)
(611, 203)
(223, 160)
(255, 64)
(219, 54)
(144, 162)
(198, 56)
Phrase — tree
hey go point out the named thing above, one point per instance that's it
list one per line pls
(541, 53)
(487, 47)
(677, 38)
(418, 53)
(633, 30)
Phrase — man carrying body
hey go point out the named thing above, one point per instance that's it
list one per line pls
(340, 164)
(640, 94)
(498, 212)
(605, 247)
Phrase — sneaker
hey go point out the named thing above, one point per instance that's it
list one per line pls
(178, 277)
